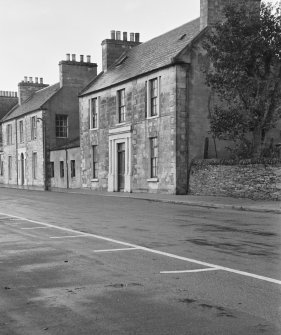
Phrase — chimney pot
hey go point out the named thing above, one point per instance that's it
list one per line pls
(30, 79)
(73, 58)
(68, 57)
(88, 59)
(137, 37)
(118, 35)
(112, 34)
(124, 36)
(132, 37)
(82, 58)
(36, 80)
(41, 80)
(25, 79)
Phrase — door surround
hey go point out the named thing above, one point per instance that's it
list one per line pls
(117, 136)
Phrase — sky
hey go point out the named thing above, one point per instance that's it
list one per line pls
(37, 34)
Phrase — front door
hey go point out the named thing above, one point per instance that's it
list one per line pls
(121, 166)
(22, 168)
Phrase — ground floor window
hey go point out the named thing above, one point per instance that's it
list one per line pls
(153, 157)
(95, 161)
(52, 169)
(10, 167)
(61, 169)
(72, 168)
(1, 165)
(34, 165)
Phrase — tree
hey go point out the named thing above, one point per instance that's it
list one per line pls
(244, 74)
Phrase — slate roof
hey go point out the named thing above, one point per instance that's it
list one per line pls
(35, 102)
(147, 56)
(74, 143)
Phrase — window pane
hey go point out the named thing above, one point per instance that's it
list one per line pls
(153, 157)
(61, 125)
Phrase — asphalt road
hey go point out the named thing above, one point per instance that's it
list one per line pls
(78, 264)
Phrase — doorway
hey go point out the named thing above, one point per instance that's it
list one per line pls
(121, 166)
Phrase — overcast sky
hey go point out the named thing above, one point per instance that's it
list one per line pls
(36, 34)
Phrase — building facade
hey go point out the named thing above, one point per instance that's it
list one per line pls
(145, 117)
(45, 118)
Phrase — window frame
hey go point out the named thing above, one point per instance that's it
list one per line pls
(10, 167)
(9, 130)
(94, 113)
(1, 165)
(33, 126)
(52, 169)
(61, 169)
(61, 129)
(72, 168)
(95, 166)
(154, 156)
(34, 165)
(21, 131)
(152, 105)
(121, 105)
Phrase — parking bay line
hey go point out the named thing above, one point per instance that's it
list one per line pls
(191, 271)
(158, 252)
(30, 228)
(113, 250)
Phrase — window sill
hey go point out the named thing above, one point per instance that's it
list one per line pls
(94, 180)
(152, 180)
(94, 128)
(152, 117)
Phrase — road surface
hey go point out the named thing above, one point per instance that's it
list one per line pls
(78, 264)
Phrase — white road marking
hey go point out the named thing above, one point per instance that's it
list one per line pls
(34, 228)
(69, 236)
(190, 271)
(158, 252)
(112, 250)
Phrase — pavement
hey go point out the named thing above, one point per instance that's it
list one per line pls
(242, 204)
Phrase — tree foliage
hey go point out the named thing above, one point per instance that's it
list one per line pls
(244, 74)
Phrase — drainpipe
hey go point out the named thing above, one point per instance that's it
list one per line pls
(44, 150)
(17, 163)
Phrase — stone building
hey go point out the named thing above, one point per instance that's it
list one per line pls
(46, 117)
(144, 118)
(7, 101)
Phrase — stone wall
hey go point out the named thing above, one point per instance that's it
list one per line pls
(253, 181)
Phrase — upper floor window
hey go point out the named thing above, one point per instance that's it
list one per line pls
(33, 128)
(153, 93)
(9, 134)
(21, 131)
(153, 157)
(94, 113)
(61, 126)
(121, 105)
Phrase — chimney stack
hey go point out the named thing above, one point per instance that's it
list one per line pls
(211, 11)
(113, 48)
(112, 34)
(27, 88)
